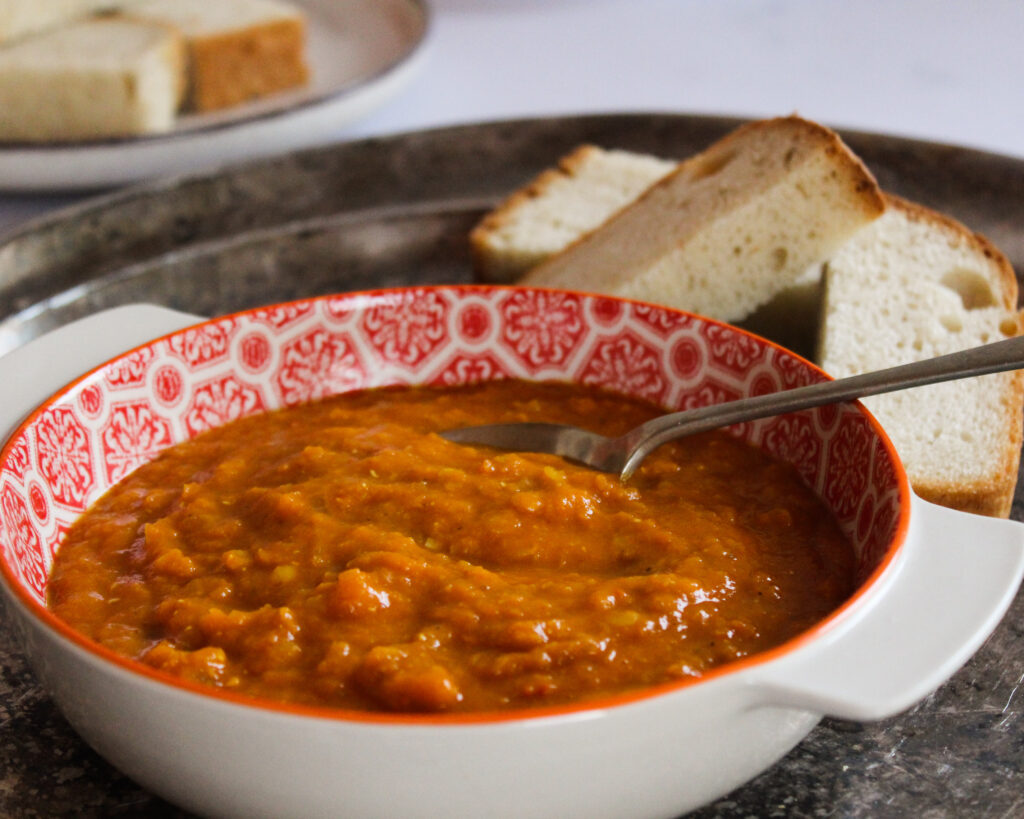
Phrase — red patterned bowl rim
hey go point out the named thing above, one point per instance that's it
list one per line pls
(98, 652)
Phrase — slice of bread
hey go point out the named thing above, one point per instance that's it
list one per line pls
(558, 207)
(101, 77)
(730, 227)
(19, 18)
(916, 284)
(587, 187)
(239, 50)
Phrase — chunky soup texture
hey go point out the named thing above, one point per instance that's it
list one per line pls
(343, 554)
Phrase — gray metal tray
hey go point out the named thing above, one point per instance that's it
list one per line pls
(396, 211)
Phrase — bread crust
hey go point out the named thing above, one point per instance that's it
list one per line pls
(859, 176)
(802, 131)
(487, 261)
(235, 67)
(992, 497)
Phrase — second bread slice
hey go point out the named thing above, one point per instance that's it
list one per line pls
(558, 206)
(913, 285)
(106, 77)
(730, 227)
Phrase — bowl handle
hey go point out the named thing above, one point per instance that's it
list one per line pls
(956, 579)
(36, 370)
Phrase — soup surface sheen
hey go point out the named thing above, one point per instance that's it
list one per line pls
(342, 554)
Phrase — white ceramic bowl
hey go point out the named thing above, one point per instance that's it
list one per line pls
(658, 753)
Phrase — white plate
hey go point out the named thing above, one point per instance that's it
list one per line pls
(361, 53)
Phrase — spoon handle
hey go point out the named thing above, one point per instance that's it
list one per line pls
(987, 358)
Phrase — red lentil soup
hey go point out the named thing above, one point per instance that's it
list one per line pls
(341, 553)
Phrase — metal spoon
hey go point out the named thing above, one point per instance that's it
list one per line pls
(624, 454)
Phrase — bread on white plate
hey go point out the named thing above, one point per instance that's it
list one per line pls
(916, 284)
(239, 50)
(730, 227)
(99, 77)
(557, 207)
(19, 18)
